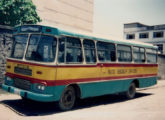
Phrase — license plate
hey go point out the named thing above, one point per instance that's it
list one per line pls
(17, 91)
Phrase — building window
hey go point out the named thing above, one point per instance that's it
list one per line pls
(160, 48)
(143, 35)
(130, 36)
(158, 34)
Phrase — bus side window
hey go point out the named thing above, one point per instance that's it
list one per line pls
(106, 52)
(151, 56)
(113, 56)
(89, 49)
(124, 53)
(139, 54)
(61, 50)
(73, 50)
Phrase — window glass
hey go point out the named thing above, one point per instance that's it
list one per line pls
(19, 45)
(124, 53)
(160, 48)
(151, 56)
(61, 50)
(139, 54)
(89, 49)
(41, 48)
(70, 50)
(143, 35)
(106, 52)
(158, 34)
(130, 36)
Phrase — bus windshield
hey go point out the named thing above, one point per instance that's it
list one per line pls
(41, 48)
(19, 44)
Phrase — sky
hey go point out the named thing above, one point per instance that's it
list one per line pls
(110, 15)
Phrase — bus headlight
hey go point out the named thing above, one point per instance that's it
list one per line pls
(41, 87)
(8, 79)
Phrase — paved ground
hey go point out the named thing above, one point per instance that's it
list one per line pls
(148, 105)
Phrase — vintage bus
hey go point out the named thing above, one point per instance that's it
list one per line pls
(50, 64)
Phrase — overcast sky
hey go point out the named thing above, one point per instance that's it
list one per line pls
(110, 15)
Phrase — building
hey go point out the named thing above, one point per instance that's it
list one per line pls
(145, 33)
(66, 14)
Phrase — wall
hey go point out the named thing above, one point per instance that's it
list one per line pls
(161, 70)
(66, 14)
(5, 48)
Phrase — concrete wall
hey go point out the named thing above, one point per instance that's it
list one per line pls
(66, 14)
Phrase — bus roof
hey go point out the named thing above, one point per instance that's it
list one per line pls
(58, 32)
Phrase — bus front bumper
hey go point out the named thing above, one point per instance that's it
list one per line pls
(28, 94)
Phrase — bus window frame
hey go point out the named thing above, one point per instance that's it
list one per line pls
(23, 58)
(144, 55)
(88, 63)
(131, 54)
(156, 56)
(114, 50)
(45, 63)
(69, 63)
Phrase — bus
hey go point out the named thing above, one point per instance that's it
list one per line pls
(53, 65)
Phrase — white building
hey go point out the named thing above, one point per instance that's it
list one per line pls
(67, 14)
(145, 33)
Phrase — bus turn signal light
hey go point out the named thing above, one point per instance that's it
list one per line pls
(39, 72)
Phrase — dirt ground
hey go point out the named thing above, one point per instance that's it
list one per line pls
(149, 104)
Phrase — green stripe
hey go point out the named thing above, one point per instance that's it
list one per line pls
(111, 87)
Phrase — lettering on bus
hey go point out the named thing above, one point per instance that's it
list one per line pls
(23, 66)
(23, 69)
(121, 71)
(111, 71)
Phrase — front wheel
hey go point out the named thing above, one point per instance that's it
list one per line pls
(130, 94)
(67, 99)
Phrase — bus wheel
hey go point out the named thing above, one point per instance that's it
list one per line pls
(67, 99)
(130, 94)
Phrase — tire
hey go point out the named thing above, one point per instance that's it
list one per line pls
(67, 99)
(131, 92)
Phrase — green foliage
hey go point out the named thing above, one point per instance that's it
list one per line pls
(16, 12)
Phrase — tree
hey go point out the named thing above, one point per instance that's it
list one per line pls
(16, 12)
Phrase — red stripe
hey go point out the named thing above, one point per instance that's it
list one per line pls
(32, 80)
(66, 82)
(97, 65)
(71, 81)
(29, 63)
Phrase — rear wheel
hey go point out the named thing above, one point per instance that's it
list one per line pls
(67, 99)
(130, 94)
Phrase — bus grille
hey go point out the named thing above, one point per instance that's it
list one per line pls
(23, 71)
(22, 84)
